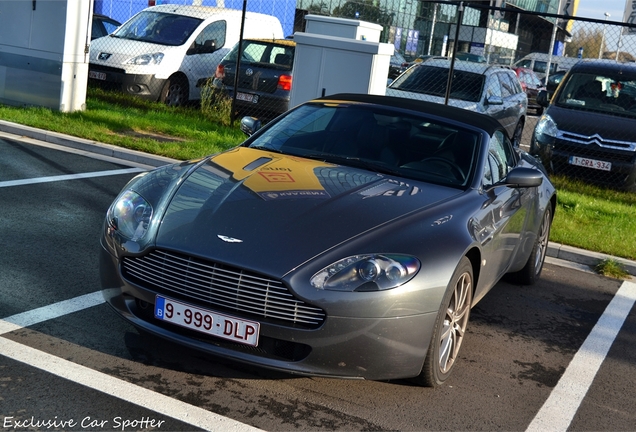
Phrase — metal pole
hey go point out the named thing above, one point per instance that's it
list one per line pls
(449, 82)
(554, 30)
(239, 54)
(600, 49)
(430, 41)
(620, 42)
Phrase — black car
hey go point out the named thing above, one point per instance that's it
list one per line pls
(264, 76)
(588, 129)
(397, 65)
(349, 237)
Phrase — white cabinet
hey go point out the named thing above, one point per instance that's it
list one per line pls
(326, 64)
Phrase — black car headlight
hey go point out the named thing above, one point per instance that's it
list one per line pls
(130, 215)
(546, 130)
(373, 272)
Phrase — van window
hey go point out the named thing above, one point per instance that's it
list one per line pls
(159, 28)
(607, 93)
(541, 66)
(212, 32)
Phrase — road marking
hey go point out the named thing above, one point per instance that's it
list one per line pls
(45, 313)
(102, 382)
(49, 179)
(555, 415)
(564, 401)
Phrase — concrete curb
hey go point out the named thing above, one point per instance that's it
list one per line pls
(84, 144)
(555, 250)
(582, 256)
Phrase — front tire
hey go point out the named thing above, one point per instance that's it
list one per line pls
(175, 91)
(450, 327)
(531, 272)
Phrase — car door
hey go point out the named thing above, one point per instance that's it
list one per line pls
(199, 63)
(502, 218)
(511, 102)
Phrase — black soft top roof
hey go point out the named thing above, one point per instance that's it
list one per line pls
(471, 118)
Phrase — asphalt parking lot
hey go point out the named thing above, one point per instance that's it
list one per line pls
(557, 356)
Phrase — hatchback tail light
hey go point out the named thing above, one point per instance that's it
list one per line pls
(220, 72)
(285, 82)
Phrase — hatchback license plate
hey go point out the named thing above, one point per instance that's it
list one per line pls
(205, 321)
(590, 163)
(97, 75)
(245, 97)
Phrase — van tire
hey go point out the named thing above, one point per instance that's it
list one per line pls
(175, 91)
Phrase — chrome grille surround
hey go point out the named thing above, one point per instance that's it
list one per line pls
(220, 287)
(596, 139)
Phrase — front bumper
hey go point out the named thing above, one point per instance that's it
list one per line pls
(343, 347)
(556, 157)
(144, 86)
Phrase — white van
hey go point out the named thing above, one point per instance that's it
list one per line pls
(161, 52)
(538, 62)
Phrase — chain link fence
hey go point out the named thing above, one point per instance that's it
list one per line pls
(494, 60)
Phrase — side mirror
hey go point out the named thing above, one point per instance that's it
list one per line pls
(494, 100)
(524, 177)
(249, 125)
(542, 98)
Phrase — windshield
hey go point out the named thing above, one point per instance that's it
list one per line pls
(376, 139)
(432, 80)
(159, 28)
(606, 93)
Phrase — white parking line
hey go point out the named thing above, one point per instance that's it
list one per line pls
(105, 383)
(559, 409)
(555, 415)
(49, 179)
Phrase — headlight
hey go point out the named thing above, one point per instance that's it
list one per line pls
(367, 273)
(130, 215)
(546, 130)
(146, 59)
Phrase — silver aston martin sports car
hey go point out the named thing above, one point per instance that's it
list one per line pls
(348, 238)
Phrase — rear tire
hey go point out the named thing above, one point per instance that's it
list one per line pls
(450, 327)
(531, 272)
(175, 91)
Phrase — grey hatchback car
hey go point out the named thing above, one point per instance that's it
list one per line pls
(487, 89)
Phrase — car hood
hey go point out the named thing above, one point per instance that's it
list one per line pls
(591, 123)
(113, 51)
(275, 211)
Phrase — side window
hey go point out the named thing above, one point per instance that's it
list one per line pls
(213, 32)
(507, 86)
(525, 63)
(493, 87)
(500, 161)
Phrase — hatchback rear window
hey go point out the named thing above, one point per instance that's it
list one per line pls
(264, 53)
(433, 80)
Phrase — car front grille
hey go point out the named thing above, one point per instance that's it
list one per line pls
(597, 140)
(220, 287)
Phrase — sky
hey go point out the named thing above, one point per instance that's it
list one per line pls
(616, 8)
(596, 9)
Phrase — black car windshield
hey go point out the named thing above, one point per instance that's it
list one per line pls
(432, 80)
(378, 139)
(157, 27)
(607, 93)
